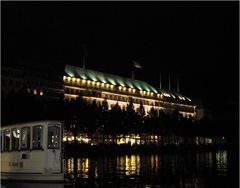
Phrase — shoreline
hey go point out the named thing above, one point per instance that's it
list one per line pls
(112, 149)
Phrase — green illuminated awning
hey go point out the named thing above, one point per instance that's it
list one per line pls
(88, 74)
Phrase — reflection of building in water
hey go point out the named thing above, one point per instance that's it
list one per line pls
(83, 167)
(69, 164)
(155, 163)
(94, 85)
(129, 165)
(221, 162)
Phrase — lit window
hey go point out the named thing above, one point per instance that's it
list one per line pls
(25, 138)
(15, 138)
(73, 79)
(41, 92)
(53, 137)
(6, 140)
(107, 85)
(112, 86)
(78, 79)
(69, 79)
(129, 89)
(64, 77)
(83, 81)
(35, 91)
(37, 137)
(88, 82)
(120, 88)
(102, 84)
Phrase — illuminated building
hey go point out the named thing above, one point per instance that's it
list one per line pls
(93, 85)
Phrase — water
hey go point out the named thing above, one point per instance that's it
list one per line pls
(166, 170)
(189, 169)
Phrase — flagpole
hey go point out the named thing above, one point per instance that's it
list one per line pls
(132, 73)
(83, 61)
(160, 84)
(169, 83)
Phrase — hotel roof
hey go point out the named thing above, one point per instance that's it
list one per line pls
(87, 74)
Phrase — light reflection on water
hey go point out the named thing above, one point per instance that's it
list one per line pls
(185, 169)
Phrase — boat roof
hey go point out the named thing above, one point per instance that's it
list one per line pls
(29, 123)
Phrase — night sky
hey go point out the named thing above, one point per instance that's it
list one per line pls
(197, 42)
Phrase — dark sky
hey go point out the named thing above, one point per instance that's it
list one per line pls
(196, 42)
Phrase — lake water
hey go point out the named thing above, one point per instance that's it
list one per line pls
(188, 169)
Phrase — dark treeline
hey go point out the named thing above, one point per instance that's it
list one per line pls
(80, 116)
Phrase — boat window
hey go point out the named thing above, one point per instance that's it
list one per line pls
(6, 140)
(37, 137)
(15, 138)
(25, 138)
(53, 137)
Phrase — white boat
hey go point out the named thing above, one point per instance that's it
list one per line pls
(32, 151)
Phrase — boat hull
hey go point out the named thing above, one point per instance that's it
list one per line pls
(33, 177)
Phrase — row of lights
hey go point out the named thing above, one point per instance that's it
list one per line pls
(94, 83)
(122, 88)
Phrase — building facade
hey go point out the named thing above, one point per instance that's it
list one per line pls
(37, 81)
(93, 85)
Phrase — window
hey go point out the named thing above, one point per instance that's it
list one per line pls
(35, 91)
(15, 138)
(53, 137)
(25, 138)
(17, 83)
(41, 92)
(37, 137)
(6, 140)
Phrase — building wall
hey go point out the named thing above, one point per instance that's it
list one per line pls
(90, 90)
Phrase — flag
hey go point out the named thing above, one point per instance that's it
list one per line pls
(137, 65)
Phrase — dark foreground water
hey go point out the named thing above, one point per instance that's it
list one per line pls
(185, 169)
(188, 169)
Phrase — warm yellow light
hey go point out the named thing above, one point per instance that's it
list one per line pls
(93, 83)
(129, 89)
(124, 89)
(69, 78)
(73, 79)
(144, 92)
(158, 95)
(120, 87)
(107, 85)
(78, 79)
(41, 92)
(64, 77)
(112, 86)
(151, 93)
(102, 84)
(98, 83)
(88, 82)
(83, 81)
(134, 90)
(35, 91)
